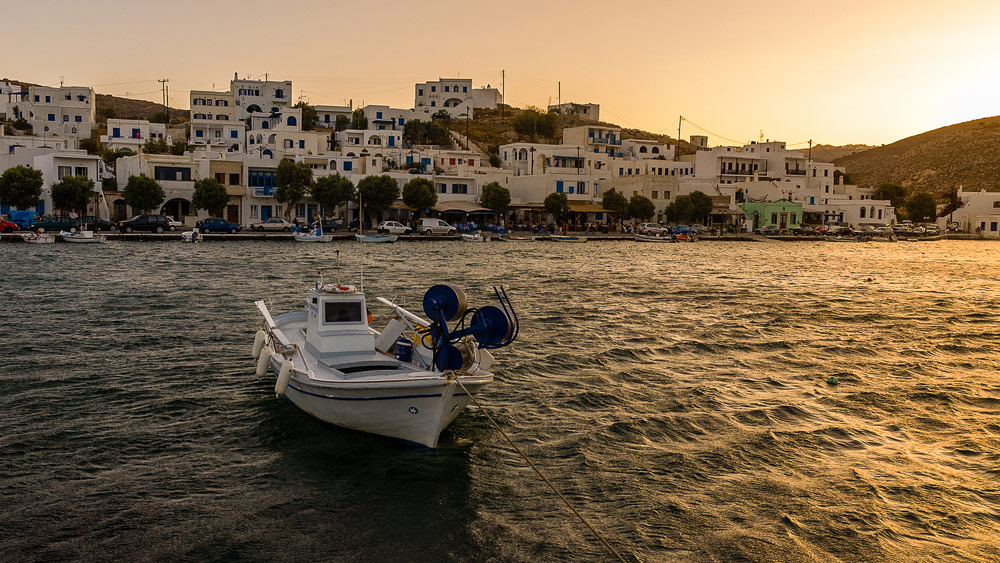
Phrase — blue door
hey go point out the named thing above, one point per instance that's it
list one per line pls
(392, 141)
(265, 212)
(310, 212)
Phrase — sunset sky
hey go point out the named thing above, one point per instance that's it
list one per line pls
(836, 72)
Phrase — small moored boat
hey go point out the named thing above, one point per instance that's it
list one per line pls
(191, 236)
(568, 238)
(375, 238)
(653, 238)
(476, 237)
(38, 238)
(315, 235)
(87, 237)
(407, 381)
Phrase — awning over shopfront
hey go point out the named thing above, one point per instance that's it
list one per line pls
(401, 205)
(460, 207)
(586, 207)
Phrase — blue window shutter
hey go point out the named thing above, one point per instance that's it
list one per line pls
(559, 186)
(348, 165)
(302, 144)
(116, 132)
(234, 134)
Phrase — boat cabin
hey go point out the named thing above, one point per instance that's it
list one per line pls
(337, 328)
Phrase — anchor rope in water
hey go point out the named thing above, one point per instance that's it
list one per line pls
(593, 530)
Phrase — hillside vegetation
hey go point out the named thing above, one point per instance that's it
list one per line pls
(965, 154)
(492, 128)
(830, 153)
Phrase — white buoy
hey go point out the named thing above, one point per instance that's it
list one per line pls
(264, 362)
(258, 343)
(281, 385)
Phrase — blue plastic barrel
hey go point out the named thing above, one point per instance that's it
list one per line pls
(404, 350)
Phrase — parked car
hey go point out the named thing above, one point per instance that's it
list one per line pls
(55, 224)
(651, 229)
(174, 223)
(217, 225)
(932, 230)
(8, 227)
(431, 226)
(331, 225)
(768, 230)
(151, 223)
(273, 224)
(698, 228)
(87, 224)
(394, 228)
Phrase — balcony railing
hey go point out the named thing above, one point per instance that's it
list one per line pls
(795, 172)
(263, 192)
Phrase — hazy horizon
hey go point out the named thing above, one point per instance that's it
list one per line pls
(866, 73)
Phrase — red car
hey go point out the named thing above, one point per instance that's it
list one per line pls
(7, 226)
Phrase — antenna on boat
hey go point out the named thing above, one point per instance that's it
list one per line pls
(338, 266)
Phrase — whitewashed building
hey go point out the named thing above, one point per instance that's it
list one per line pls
(131, 135)
(66, 110)
(257, 96)
(591, 112)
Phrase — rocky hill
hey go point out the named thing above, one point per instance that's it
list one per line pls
(829, 153)
(965, 154)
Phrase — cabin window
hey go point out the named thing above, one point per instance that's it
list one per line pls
(342, 312)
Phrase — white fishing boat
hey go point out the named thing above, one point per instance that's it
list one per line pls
(476, 237)
(314, 235)
(87, 237)
(407, 381)
(568, 238)
(375, 238)
(38, 238)
(518, 238)
(653, 238)
(191, 236)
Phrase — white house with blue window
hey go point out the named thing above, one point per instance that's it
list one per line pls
(130, 135)
(979, 210)
(381, 118)
(353, 141)
(326, 116)
(596, 139)
(67, 110)
(214, 123)
(260, 96)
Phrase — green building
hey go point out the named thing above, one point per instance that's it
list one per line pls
(785, 215)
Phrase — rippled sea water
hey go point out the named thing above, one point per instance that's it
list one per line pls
(676, 394)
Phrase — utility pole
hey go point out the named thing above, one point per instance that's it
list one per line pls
(559, 96)
(166, 108)
(810, 151)
(677, 153)
(467, 129)
(503, 90)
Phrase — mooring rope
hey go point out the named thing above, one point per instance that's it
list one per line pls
(538, 471)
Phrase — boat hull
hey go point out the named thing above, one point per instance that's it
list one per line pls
(569, 239)
(312, 238)
(647, 238)
(412, 413)
(376, 238)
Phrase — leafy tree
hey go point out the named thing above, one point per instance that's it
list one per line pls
(701, 206)
(143, 193)
(21, 187)
(90, 145)
(309, 116)
(109, 184)
(921, 207)
(640, 207)
(331, 192)
(680, 209)
(532, 122)
(892, 192)
(21, 124)
(211, 196)
(614, 202)
(72, 193)
(442, 114)
(418, 132)
(342, 122)
(419, 193)
(155, 146)
(8, 130)
(159, 117)
(293, 180)
(377, 193)
(558, 205)
(110, 157)
(495, 197)
(358, 119)
(841, 177)
(107, 112)
(178, 148)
